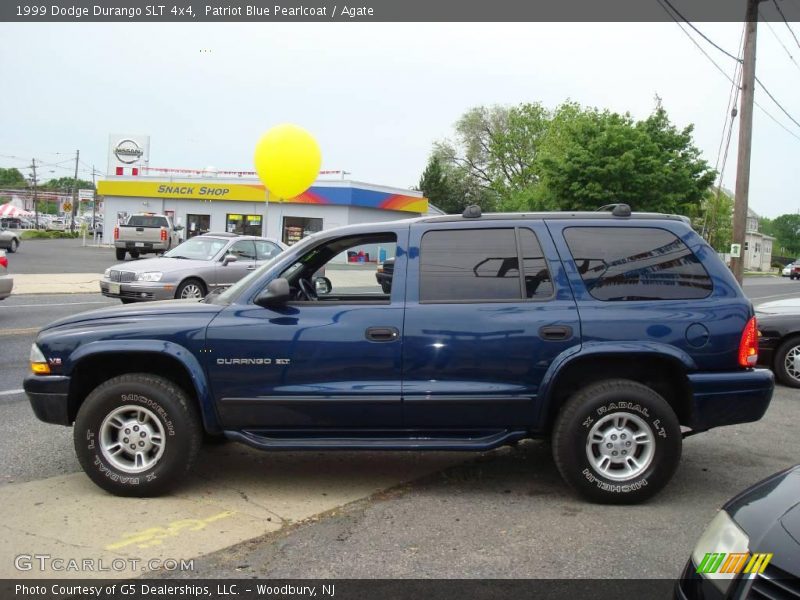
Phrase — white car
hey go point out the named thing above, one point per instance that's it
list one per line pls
(787, 270)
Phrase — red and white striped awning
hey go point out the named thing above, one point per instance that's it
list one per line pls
(9, 210)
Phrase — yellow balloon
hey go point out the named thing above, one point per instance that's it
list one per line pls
(287, 160)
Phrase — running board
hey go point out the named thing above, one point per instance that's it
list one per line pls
(478, 441)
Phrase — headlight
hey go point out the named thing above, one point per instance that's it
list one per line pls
(107, 273)
(151, 276)
(39, 364)
(722, 536)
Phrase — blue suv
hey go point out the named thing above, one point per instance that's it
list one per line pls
(613, 334)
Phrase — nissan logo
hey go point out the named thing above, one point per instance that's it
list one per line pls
(128, 151)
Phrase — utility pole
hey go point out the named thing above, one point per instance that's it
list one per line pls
(35, 196)
(745, 137)
(94, 201)
(74, 193)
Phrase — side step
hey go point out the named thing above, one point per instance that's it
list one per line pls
(377, 440)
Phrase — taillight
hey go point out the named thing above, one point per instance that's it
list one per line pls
(163, 235)
(116, 233)
(748, 346)
(4, 261)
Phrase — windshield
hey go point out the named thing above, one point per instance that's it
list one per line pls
(198, 248)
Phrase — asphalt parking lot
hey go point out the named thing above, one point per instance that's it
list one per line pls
(244, 513)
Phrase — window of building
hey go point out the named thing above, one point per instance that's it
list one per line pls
(243, 224)
(197, 224)
(470, 265)
(296, 228)
(636, 263)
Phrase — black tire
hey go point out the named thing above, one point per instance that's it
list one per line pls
(192, 281)
(791, 276)
(134, 254)
(127, 300)
(167, 404)
(120, 253)
(386, 287)
(779, 367)
(14, 245)
(589, 408)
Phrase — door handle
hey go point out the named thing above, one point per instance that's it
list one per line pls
(382, 334)
(251, 268)
(555, 332)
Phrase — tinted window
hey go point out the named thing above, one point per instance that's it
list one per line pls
(636, 263)
(537, 277)
(147, 221)
(469, 264)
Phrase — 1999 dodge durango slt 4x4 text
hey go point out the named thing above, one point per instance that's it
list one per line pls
(606, 332)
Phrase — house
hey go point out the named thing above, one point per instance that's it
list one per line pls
(757, 251)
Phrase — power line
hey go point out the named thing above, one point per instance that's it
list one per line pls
(780, 41)
(778, 104)
(704, 36)
(780, 12)
(724, 74)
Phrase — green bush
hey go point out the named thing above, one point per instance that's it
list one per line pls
(38, 234)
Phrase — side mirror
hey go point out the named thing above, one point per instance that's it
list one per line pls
(276, 293)
(322, 286)
(228, 259)
(178, 228)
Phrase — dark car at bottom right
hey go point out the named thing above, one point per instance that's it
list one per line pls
(751, 549)
(779, 339)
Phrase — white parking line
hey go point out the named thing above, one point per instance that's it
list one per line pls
(59, 304)
(11, 392)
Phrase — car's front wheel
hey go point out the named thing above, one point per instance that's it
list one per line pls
(120, 253)
(617, 442)
(14, 245)
(191, 288)
(787, 362)
(137, 435)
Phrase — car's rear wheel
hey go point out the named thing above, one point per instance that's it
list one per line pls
(787, 362)
(137, 435)
(120, 253)
(617, 442)
(191, 288)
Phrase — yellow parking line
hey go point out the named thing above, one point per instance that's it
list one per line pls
(24, 331)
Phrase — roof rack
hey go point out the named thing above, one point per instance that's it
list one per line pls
(473, 211)
(618, 210)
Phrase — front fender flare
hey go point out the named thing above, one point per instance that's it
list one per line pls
(176, 351)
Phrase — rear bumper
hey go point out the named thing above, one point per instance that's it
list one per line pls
(729, 397)
(48, 395)
(6, 285)
(142, 246)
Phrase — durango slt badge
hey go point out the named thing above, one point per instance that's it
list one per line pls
(252, 361)
(128, 151)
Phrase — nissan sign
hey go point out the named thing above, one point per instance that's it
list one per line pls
(128, 151)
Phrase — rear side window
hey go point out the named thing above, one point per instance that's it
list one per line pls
(636, 263)
(473, 265)
(146, 221)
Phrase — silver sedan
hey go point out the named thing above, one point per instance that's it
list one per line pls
(192, 269)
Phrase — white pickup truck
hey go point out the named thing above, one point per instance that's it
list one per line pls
(146, 233)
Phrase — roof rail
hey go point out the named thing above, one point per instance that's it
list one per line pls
(618, 210)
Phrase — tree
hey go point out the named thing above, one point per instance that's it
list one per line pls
(715, 222)
(495, 149)
(786, 230)
(590, 158)
(66, 183)
(12, 178)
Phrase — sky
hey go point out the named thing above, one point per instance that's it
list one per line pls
(375, 96)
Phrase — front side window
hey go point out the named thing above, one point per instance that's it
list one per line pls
(476, 265)
(636, 263)
(243, 250)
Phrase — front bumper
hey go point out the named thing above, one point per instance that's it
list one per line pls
(140, 291)
(49, 395)
(729, 397)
